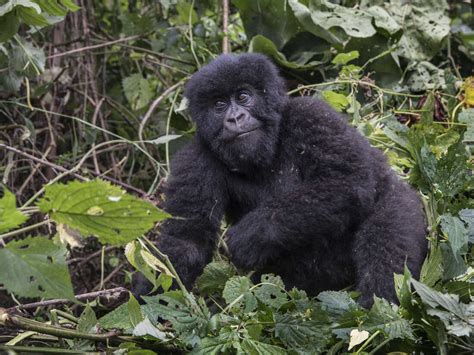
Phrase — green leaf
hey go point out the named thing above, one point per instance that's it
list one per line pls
(87, 321)
(304, 14)
(10, 217)
(35, 267)
(344, 58)
(137, 91)
(382, 316)
(271, 292)
(214, 277)
(454, 229)
(261, 44)
(190, 321)
(31, 17)
(134, 311)
(338, 101)
(425, 26)
(217, 345)
(269, 18)
(467, 215)
(9, 25)
(337, 302)
(334, 18)
(253, 347)
(433, 298)
(237, 292)
(117, 319)
(52, 7)
(467, 117)
(299, 333)
(432, 269)
(11, 4)
(134, 257)
(100, 209)
(26, 59)
(383, 20)
(70, 5)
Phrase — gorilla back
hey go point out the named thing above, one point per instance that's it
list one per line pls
(306, 195)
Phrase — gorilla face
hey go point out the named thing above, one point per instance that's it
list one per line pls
(238, 119)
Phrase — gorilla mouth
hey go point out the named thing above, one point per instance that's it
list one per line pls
(246, 133)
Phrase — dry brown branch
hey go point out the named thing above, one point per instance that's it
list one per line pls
(153, 106)
(225, 25)
(112, 293)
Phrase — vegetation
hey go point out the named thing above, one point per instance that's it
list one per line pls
(91, 111)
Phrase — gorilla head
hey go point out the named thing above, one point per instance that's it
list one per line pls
(238, 119)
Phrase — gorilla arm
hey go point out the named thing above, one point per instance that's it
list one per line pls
(195, 199)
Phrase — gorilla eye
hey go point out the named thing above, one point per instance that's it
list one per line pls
(220, 104)
(243, 96)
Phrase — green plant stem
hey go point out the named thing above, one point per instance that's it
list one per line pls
(14, 321)
(37, 350)
(168, 122)
(381, 345)
(359, 82)
(22, 230)
(168, 263)
(191, 36)
(367, 342)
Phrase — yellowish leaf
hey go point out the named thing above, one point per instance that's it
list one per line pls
(357, 337)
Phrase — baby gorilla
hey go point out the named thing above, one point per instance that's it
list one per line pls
(307, 197)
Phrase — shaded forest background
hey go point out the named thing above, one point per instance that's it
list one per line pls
(91, 93)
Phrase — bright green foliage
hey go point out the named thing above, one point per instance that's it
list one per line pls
(237, 293)
(338, 101)
(214, 277)
(35, 267)
(100, 209)
(10, 217)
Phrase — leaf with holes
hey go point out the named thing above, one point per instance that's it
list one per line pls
(35, 267)
(214, 277)
(10, 217)
(237, 292)
(272, 291)
(100, 209)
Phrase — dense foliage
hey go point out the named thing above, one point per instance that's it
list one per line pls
(91, 111)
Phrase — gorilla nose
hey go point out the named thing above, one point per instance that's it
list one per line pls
(237, 119)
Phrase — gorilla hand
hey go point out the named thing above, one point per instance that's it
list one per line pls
(251, 242)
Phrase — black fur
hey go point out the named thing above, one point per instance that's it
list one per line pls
(308, 198)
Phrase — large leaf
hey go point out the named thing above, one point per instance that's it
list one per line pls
(214, 277)
(26, 59)
(237, 292)
(263, 45)
(35, 267)
(100, 209)
(297, 332)
(457, 234)
(11, 4)
(9, 25)
(189, 321)
(250, 346)
(425, 26)
(272, 19)
(384, 317)
(10, 217)
(272, 291)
